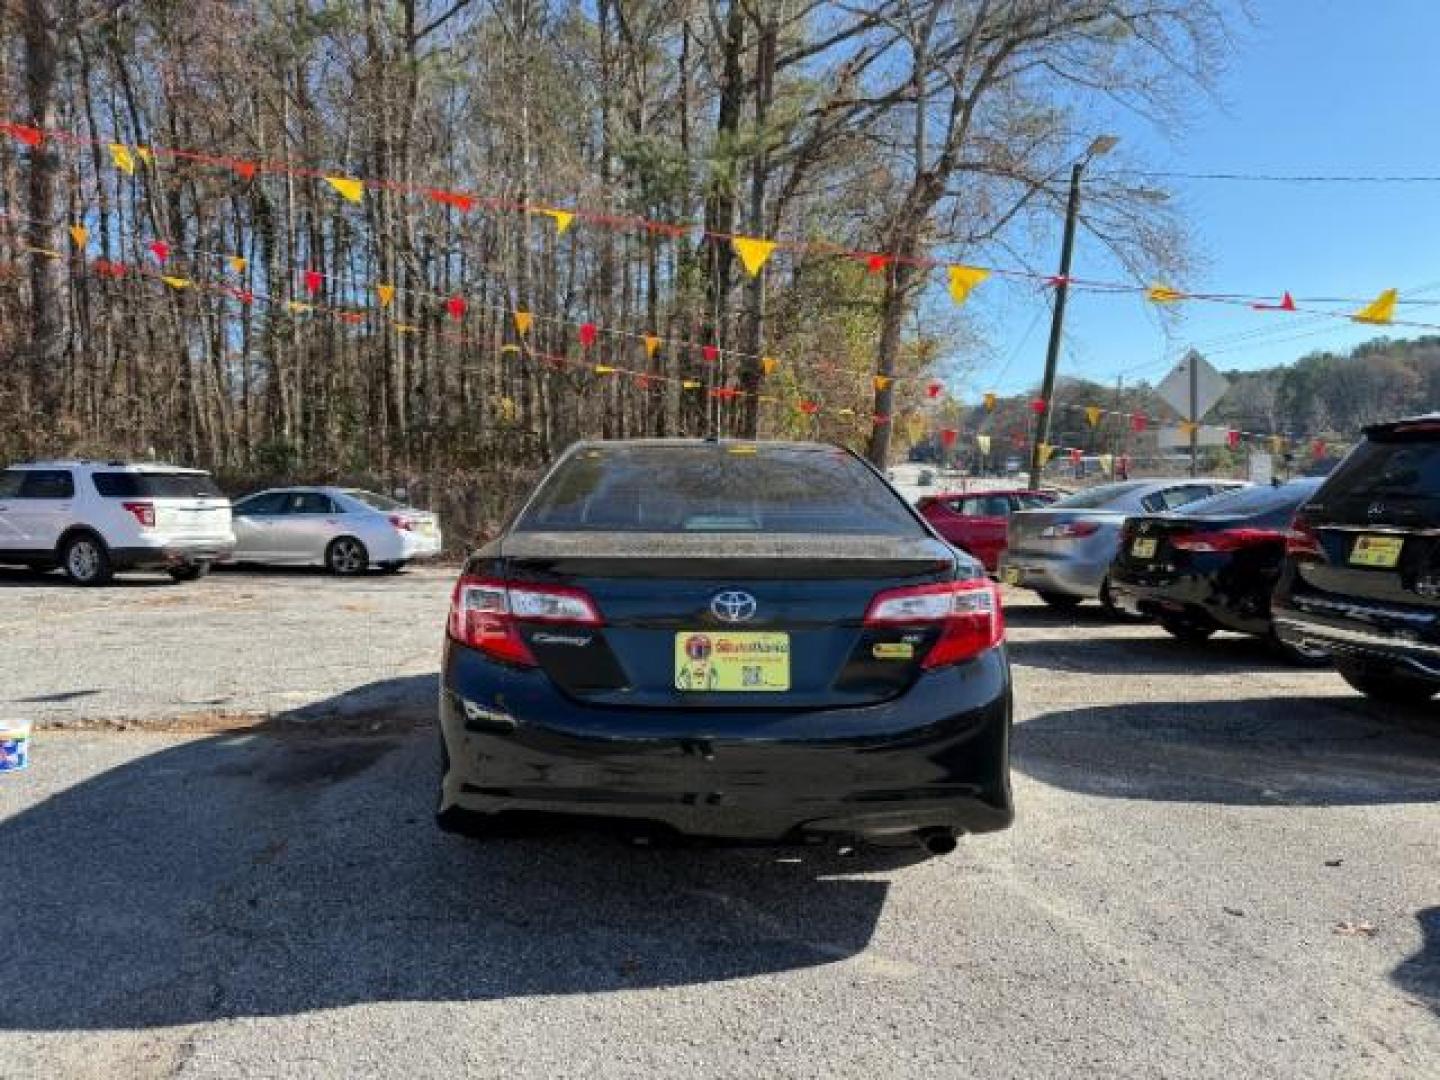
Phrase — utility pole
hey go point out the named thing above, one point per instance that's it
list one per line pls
(1102, 145)
(1194, 408)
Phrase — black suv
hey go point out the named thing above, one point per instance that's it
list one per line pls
(1362, 569)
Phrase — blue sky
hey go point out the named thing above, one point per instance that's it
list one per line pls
(1317, 87)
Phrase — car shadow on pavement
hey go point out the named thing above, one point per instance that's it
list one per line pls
(1260, 751)
(1092, 652)
(1420, 974)
(19, 577)
(265, 872)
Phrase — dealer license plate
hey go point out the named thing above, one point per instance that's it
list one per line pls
(1378, 551)
(1012, 575)
(724, 662)
(427, 528)
(1143, 548)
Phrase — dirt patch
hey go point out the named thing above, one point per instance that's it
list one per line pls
(369, 722)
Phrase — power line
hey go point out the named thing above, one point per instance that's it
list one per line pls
(1272, 178)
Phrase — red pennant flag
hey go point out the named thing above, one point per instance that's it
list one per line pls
(1138, 422)
(463, 203)
(244, 169)
(1232, 438)
(809, 408)
(28, 135)
(160, 249)
(313, 278)
(933, 390)
(1317, 448)
(587, 334)
(710, 353)
(876, 264)
(1057, 280)
(1287, 303)
(725, 393)
(106, 268)
(642, 381)
(880, 419)
(456, 307)
(1038, 406)
(948, 436)
(1076, 456)
(352, 317)
(245, 296)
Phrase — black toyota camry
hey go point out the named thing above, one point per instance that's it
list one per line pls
(757, 641)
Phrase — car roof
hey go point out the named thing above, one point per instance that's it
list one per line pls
(107, 466)
(768, 444)
(1395, 425)
(997, 491)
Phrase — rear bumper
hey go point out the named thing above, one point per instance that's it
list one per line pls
(1372, 634)
(1191, 597)
(172, 551)
(935, 758)
(419, 546)
(1052, 573)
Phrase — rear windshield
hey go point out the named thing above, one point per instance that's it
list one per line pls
(374, 501)
(1241, 502)
(1394, 468)
(734, 489)
(1101, 495)
(157, 485)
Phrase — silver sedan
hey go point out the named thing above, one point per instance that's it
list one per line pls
(342, 529)
(1064, 550)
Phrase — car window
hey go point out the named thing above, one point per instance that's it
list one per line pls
(1032, 502)
(270, 502)
(1261, 499)
(309, 502)
(1098, 496)
(717, 488)
(987, 506)
(156, 485)
(1176, 497)
(10, 481)
(374, 501)
(1385, 469)
(47, 484)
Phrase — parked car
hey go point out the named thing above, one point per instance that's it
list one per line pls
(758, 641)
(94, 518)
(1063, 551)
(1362, 572)
(975, 522)
(1213, 565)
(343, 529)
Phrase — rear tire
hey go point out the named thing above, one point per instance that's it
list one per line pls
(346, 557)
(1391, 689)
(1060, 601)
(189, 571)
(85, 560)
(1189, 632)
(391, 567)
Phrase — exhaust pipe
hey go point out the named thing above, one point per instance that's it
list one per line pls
(937, 841)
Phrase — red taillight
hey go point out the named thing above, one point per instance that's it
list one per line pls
(144, 513)
(1227, 539)
(968, 611)
(485, 614)
(404, 524)
(1302, 540)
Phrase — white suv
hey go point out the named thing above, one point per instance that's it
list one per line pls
(92, 518)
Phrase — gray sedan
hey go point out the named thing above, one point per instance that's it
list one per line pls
(1063, 552)
(342, 529)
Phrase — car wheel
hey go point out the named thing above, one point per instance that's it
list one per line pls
(1300, 655)
(1060, 601)
(1184, 630)
(391, 567)
(85, 560)
(1393, 689)
(346, 556)
(189, 571)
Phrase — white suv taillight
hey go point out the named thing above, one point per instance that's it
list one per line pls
(144, 513)
(968, 611)
(484, 613)
(404, 524)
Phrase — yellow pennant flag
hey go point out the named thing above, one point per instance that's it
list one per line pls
(1379, 311)
(753, 253)
(80, 235)
(1187, 426)
(768, 364)
(405, 328)
(386, 294)
(507, 408)
(1163, 294)
(144, 154)
(690, 384)
(652, 343)
(175, 282)
(509, 349)
(990, 402)
(523, 319)
(983, 442)
(1092, 415)
(963, 279)
(1106, 461)
(604, 369)
(915, 427)
(562, 219)
(238, 263)
(1046, 450)
(297, 307)
(349, 190)
(882, 381)
(120, 155)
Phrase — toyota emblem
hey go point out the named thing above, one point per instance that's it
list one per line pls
(733, 606)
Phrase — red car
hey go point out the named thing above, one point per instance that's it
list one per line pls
(975, 521)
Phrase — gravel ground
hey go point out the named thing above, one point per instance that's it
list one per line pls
(1222, 867)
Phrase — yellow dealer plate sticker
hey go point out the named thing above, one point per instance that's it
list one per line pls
(724, 662)
(1379, 551)
(1012, 575)
(1143, 548)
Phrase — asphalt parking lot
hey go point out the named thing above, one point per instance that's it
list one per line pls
(222, 863)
